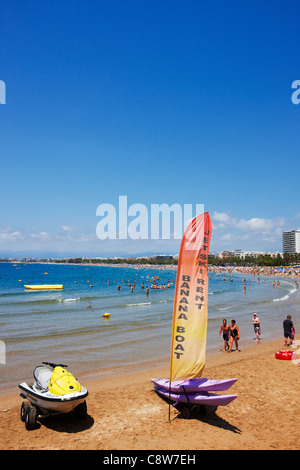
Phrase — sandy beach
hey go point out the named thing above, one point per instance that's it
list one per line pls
(124, 412)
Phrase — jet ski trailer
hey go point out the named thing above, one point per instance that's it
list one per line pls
(53, 392)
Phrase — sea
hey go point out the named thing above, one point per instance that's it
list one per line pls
(67, 326)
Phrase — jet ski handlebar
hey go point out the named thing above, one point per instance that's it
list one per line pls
(51, 364)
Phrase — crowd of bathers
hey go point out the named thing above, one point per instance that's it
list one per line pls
(154, 284)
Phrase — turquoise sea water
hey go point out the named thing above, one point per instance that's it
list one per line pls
(68, 326)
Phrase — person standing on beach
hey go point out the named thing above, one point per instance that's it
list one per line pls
(234, 336)
(225, 328)
(256, 325)
(288, 329)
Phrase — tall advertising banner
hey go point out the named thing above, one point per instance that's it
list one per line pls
(188, 346)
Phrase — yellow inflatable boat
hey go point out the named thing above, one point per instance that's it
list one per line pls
(44, 286)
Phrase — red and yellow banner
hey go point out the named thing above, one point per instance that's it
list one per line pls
(188, 347)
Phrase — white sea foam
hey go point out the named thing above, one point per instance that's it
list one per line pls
(285, 297)
(138, 305)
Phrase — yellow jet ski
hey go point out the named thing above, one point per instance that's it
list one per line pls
(53, 391)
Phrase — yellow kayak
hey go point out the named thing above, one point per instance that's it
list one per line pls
(44, 286)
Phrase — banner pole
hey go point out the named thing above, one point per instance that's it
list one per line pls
(169, 401)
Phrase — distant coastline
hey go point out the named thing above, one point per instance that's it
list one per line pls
(286, 261)
(160, 261)
(215, 266)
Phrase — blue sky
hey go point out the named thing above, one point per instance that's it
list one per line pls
(161, 101)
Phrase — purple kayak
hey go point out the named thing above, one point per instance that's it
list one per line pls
(195, 385)
(205, 398)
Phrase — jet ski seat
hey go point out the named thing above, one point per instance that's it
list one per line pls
(42, 376)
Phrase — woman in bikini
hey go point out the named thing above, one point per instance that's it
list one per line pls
(234, 336)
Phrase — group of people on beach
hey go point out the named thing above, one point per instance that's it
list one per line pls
(231, 333)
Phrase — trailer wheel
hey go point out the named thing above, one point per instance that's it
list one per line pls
(31, 417)
(207, 410)
(24, 410)
(185, 412)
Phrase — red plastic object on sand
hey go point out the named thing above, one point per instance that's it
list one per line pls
(286, 355)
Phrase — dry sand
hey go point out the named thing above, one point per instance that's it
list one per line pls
(124, 412)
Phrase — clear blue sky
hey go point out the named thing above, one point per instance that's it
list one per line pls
(162, 101)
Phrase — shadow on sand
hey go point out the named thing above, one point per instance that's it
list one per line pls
(66, 423)
(205, 413)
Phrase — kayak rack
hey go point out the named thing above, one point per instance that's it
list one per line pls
(186, 409)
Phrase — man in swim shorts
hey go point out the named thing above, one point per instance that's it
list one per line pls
(288, 329)
(226, 331)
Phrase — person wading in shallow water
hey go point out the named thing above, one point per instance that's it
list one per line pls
(256, 325)
(288, 329)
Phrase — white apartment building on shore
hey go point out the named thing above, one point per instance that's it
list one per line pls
(242, 254)
(291, 242)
